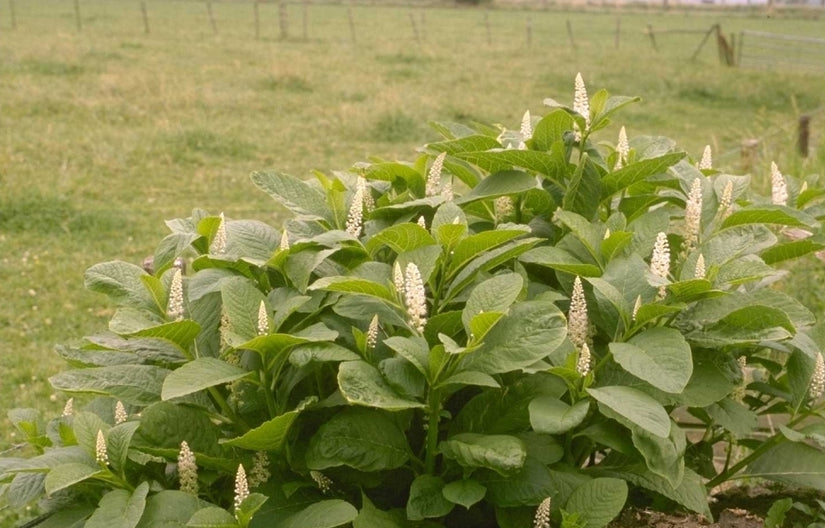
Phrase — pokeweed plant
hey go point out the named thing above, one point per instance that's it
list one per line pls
(517, 319)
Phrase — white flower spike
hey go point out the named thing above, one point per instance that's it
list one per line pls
(415, 297)
(120, 413)
(583, 363)
(660, 261)
(622, 150)
(700, 271)
(706, 163)
(693, 217)
(433, 184)
(355, 217)
(101, 452)
(726, 202)
(263, 319)
(259, 474)
(577, 321)
(241, 488)
(818, 380)
(187, 470)
(372, 332)
(68, 409)
(581, 105)
(542, 519)
(218, 246)
(779, 189)
(174, 308)
(526, 126)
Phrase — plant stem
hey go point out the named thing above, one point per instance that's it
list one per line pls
(433, 417)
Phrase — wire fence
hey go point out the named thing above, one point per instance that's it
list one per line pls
(760, 49)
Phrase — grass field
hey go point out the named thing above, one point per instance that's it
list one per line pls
(107, 132)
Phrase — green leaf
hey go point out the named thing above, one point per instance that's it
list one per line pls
(475, 245)
(250, 505)
(471, 143)
(750, 324)
(322, 514)
(118, 441)
(531, 332)
(241, 301)
(553, 416)
(528, 487)
(659, 356)
(131, 384)
(775, 517)
(493, 295)
(198, 375)
(792, 250)
(664, 456)
(792, 464)
(551, 129)
(584, 189)
(182, 333)
(303, 355)
(24, 488)
(70, 517)
(413, 349)
(690, 493)
(632, 407)
(296, 195)
(269, 436)
(362, 384)
(733, 416)
(169, 509)
(621, 179)
(400, 238)
(165, 425)
(122, 282)
(427, 499)
(364, 439)
(488, 261)
(770, 214)
(371, 517)
(464, 492)
(354, 285)
(505, 160)
(500, 184)
(503, 454)
(556, 258)
(212, 517)
(598, 501)
(120, 509)
(252, 241)
(66, 475)
(469, 377)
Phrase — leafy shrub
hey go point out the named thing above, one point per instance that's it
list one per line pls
(515, 319)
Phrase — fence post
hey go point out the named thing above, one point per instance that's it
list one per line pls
(77, 18)
(570, 34)
(749, 151)
(652, 37)
(144, 13)
(257, 15)
(13, 14)
(283, 19)
(487, 27)
(305, 20)
(702, 44)
(804, 134)
(528, 29)
(351, 24)
(414, 28)
(211, 17)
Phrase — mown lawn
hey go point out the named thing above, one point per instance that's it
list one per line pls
(107, 132)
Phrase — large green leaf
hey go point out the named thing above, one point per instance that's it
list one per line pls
(296, 195)
(770, 214)
(558, 259)
(198, 375)
(372, 517)
(165, 425)
(792, 250)
(623, 178)
(212, 517)
(493, 295)
(364, 439)
(663, 456)
(427, 499)
(471, 143)
(118, 441)
(750, 324)
(690, 493)
(488, 261)
(363, 384)
(465, 492)
(791, 463)
(660, 356)
(553, 416)
(551, 129)
(500, 160)
(324, 514)
(269, 436)
(733, 416)
(132, 384)
(528, 487)
(169, 509)
(120, 509)
(632, 407)
(66, 475)
(241, 301)
(251, 240)
(500, 184)
(400, 238)
(530, 332)
(503, 454)
(475, 245)
(69, 517)
(598, 501)
(122, 282)
(354, 285)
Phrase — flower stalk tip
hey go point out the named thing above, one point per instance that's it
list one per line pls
(174, 307)
(693, 217)
(120, 413)
(779, 188)
(101, 451)
(372, 332)
(241, 488)
(259, 474)
(706, 163)
(581, 105)
(415, 297)
(542, 518)
(526, 127)
(818, 379)
(577, 321)
(263, 319)
(583, 362)
(433, 184)
(218, 246)
(187, 470)
(660, 261)
(355, 217)
(622, 150)
(68, 409)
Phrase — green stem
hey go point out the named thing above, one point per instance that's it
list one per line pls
(225, 408)
(268, 394)
(433, 417)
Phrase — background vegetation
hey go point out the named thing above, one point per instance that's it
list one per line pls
(106, 132)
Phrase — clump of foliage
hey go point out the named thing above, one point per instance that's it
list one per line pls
(517, 319)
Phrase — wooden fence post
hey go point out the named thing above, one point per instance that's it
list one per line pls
(749, 151)
(414, 28)
(144, 13)
(351, 24)
(256, 13)
(487, 27)
(702, 44)
(77, 18)
(211, 17)
(305, 20)
(804, 134)
(570, 34)
(283, 19)
(652, 36)
(13, 14)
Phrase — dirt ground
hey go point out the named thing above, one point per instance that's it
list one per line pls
(729, 518)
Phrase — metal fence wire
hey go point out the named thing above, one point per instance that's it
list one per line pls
(759, 49)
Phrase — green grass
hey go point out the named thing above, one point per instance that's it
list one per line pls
(106, 133)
